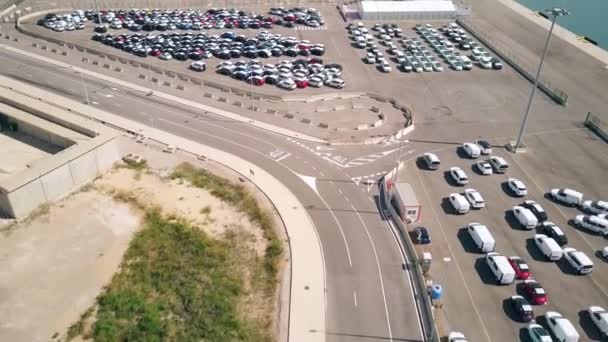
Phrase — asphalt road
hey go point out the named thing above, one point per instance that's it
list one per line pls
(369, 295)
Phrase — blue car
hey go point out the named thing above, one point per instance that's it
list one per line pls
(423, 236)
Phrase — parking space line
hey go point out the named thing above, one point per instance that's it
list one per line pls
(483, 326)
(355, 297)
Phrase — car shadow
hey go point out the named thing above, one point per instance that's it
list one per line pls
(507, 190)
(466, 241)
(475, 170)
(421, 164)
(450, 180)
(512, 220)
(598, 254)
(461, 153)
(585, 322)
(565, 267)
(486, 276)
(519, 290)
(534, 251)
(447, 206)
(508, 309)
(524, 336)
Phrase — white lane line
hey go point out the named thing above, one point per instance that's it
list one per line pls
(388, 321)
(371, 200)
(405, 261)
(321, 173)
(466, 287)
(283, 157)
(355, 297)
(331, 182)
(340, 191)
(350, 262)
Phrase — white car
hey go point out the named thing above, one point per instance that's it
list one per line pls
(459, 203)
(165, 56)
(472, 150)
(599, 316)
(604, 253)
(484, 146)
(336, 83)
(198, 66)
(459, 176)
(287, 84)
(385, 67)
(567, 196)
(579, 261)
(456, 336)
(595, 207)
(484, 167)
(475, 198)
(518, 187)
(593, 223)
(315, 82)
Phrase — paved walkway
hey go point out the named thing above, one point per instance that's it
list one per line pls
(307, 298)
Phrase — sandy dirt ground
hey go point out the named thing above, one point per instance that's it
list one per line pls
(53, 265)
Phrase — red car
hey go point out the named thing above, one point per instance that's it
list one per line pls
(301, 83)
(155, 53)
(522, 271)
(256, 80)
(535, 292)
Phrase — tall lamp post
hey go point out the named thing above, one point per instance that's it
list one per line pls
(555, 12)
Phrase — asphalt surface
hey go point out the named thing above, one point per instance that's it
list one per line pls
(369, 295)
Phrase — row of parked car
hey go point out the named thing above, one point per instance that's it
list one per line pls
(550, 241)
(183, 46)
(287, 75)
(64, 22)
(186, 19)
(456, 37)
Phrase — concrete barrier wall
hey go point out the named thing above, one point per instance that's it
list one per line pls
(59, 181)
(40, 133)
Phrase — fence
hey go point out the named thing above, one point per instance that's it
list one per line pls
(525, 69)
(598, 124)
(425, 308)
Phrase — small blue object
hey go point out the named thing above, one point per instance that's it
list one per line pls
(436, 292)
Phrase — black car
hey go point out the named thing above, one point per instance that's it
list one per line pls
(251, 54)
(522, 308)
(195, 56)
(240, 75)
(422, 235)
(97, 37)
(276, 52)
(235, 53)
(181, 56)
(536, 209)
(553, 231)
(141, 53)
(317, 51)
(101, 29)
(288, 24)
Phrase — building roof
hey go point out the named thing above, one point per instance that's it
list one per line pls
(406, 193)
(407, 6)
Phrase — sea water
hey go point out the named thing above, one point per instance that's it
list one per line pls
(587, 17)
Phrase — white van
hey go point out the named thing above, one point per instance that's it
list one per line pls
(431, 160)
(562, 328)
(567, 196)
(548, 247)
(482, 237)
(499, 164)
(459, 203)
(499, 265)
(599, 316)
(525, 217)
(579, 261)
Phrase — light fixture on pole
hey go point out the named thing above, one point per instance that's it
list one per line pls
(555, 12)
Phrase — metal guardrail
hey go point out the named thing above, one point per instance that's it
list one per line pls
(598, 124)
(523, 68)
(425, 309)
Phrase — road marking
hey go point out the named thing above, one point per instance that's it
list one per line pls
(355, 297)
(356, 180)
(350, 262)
(483, 326)
(324, 148)
(310, 181)
(388, 321)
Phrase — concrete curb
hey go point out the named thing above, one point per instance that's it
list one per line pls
(168, 97)
(307, 293)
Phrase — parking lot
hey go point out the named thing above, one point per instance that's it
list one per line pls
(469, 284)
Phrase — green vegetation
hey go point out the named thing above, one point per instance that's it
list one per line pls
(178, 284)
(240, 198)
(175, 284)
(139, 165)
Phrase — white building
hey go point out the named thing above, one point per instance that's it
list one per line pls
(407, 10)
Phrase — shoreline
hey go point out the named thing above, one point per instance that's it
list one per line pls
(568, 36)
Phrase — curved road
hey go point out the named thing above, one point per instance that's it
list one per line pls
(369, 291)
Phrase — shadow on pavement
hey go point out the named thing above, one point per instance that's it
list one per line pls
(589, 328)
(467, 241)
(487, 277)
(534, 251)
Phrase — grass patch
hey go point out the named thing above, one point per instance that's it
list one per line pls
(175, 284)
(206, 210)
(139, 165)
(78, 327)
(238, 196)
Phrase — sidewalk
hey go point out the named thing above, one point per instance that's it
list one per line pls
(168, 97)
(307, 297)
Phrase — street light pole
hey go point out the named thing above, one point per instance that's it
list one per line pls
(556, 12)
